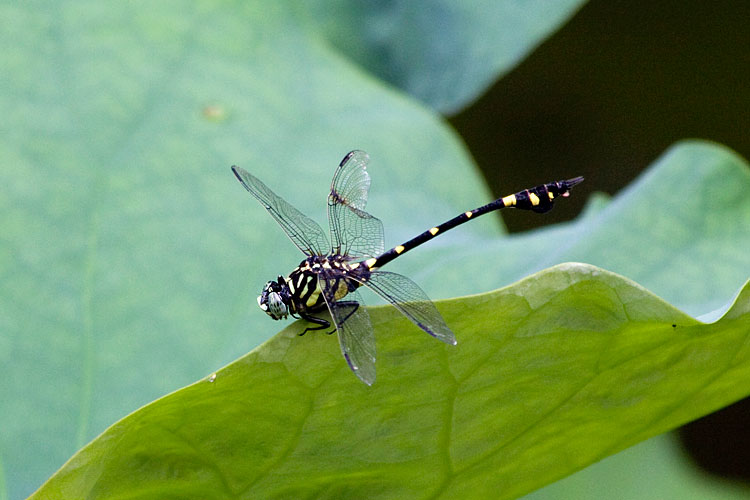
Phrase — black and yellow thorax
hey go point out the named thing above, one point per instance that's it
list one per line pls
(343, 275)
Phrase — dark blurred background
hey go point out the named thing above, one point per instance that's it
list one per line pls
(609, 92)
(603, 98)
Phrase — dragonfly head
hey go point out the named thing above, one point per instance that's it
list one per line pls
(275, 298)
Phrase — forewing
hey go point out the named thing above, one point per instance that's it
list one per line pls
(302, 230)
(356, 337)
(408, 298)
(354, 232)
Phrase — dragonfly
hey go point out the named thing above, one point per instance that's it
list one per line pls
(334, 269)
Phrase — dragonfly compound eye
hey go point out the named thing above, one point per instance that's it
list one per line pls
(272, 302)
(263, 301)
(276, 307)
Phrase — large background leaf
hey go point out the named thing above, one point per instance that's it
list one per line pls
(552, 373)
(129, 256)
(444, 53)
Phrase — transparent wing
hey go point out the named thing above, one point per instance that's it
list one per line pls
(354, 232)
(413, 303)
(302, 230)
(356, 338)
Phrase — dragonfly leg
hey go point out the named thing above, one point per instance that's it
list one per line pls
(352, 304)
(322, 323)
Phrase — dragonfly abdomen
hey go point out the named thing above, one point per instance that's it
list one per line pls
(538, 199)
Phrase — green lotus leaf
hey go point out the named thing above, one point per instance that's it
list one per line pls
(550, 374)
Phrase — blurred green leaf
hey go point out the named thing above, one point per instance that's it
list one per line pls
(551, 374)
(443, 52)
(654, 469)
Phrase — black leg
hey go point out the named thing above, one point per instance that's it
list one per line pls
(353, 304)
(322, 323)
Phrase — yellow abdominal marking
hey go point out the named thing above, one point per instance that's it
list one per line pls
(341, 290)
(399, 249)
(468, 214)
(313, 297)
(509, 200)
(534, 199)
(371, 262)
(551, 196)
(434, 231)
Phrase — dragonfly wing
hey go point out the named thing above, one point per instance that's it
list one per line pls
(356, 338)
(354, 232)
(413, 303)
(302, 230)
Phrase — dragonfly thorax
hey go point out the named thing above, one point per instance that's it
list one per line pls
(299, 293)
